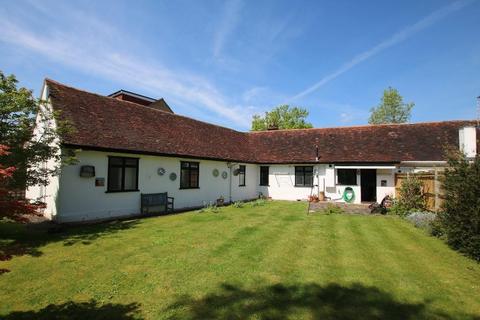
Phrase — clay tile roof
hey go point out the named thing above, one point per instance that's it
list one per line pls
(370, 143)
(105, 123)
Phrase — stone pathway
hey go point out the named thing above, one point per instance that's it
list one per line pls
(347, 207)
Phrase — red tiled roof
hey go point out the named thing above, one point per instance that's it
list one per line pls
(105, 123)
(370, 143)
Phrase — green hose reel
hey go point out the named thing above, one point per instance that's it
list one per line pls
(348, 194)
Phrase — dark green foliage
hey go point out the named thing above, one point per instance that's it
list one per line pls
(461, 217)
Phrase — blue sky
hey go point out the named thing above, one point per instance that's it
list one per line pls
(223, 61)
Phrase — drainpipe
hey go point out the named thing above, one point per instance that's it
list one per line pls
(230, 166)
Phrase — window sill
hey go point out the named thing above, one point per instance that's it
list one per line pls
(188, 188)
(264, 185)
(243, 185)
(118, 191)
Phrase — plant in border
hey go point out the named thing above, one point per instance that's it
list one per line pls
(410, 198)
(460, 218)
(332, 209)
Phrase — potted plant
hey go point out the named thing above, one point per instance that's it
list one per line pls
(220, 201)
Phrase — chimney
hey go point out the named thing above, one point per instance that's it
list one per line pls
(467, 139)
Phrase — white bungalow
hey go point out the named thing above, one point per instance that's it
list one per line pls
(127, 145)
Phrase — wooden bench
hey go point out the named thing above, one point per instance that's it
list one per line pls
(156, 203)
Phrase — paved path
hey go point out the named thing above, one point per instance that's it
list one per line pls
(347, 207)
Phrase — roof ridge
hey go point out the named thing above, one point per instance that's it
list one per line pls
(364, 126)
(139, 105)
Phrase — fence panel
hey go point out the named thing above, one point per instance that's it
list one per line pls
(432, 188)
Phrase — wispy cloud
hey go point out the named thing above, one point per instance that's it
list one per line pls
(230, 18)
(396, 38)
(96, 53)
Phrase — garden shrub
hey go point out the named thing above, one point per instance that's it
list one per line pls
(209, 208)
(410, 197)
(238, 204)
(460, 219)
(258, 202)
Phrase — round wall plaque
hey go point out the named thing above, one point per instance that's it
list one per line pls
(224, 174)
(173, 176)
(160, 171)
(215, 172)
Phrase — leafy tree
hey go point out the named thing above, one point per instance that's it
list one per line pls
(23, 149)
(460, 219)
(11, 207)
(392, 109)
(282, 117)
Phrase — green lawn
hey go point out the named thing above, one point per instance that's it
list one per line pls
(264, 262)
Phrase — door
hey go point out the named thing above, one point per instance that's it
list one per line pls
(368, 185)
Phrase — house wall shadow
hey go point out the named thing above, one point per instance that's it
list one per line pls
(90, 310)
(279, 301)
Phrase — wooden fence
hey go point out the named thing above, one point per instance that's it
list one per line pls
(432, 187)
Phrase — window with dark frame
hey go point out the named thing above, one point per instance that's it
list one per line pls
(347, 177)
(189, 175)
(122, 174)
(304, 176)
(264, 172)
(241, 176)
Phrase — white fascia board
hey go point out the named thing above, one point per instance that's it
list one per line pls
(365, 167)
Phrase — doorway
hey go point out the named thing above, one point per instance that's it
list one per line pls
(368, 185)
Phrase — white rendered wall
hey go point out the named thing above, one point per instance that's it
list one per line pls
(48, 193)
(387, 175)
(282, 184)
(79, 199)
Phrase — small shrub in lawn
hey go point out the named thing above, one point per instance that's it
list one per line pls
(333, 209)
(209, 208)
(258, 202)
(422, 220)
(238, 204)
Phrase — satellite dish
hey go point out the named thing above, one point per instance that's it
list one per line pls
(236, 172)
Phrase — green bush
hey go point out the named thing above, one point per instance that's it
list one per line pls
(209, 208)
(460, 219)
(238, 204)
(410, 197)
(258, 202)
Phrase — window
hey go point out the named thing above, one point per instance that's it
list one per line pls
(304, 176)
(264, 176)
(347, 177)
(189, 175)
(241, 176)
(122, 174)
